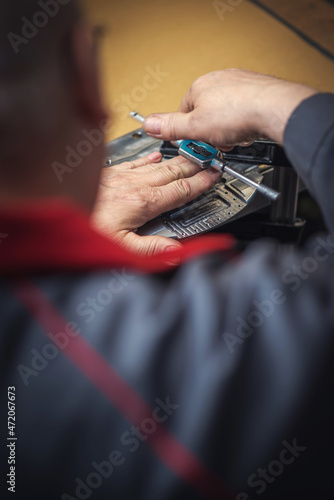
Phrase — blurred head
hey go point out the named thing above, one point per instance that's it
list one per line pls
(51, 114)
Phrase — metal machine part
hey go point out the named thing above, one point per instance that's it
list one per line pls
(261, 151)
(228, 200)
(209, 211)
(284, 210)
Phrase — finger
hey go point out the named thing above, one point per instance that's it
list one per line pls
(154, 157)
(149, 245)
(153, 167)
(227, 149)
(170, 126)
(243, 144)
(182, 191)
(168, 171)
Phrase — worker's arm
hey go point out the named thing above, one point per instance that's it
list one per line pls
(309, 143)
(231, 107)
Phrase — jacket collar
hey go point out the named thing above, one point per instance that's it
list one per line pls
(54, 235)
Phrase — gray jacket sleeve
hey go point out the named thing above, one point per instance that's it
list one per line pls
(237, 354)
(309, 143)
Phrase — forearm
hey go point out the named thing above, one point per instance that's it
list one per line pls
(274, 106)
(230, 107)
(309, 143)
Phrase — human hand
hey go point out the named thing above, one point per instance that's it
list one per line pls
(133, 193)
(231, 107)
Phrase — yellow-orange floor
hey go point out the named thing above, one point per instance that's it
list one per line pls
(152, 50)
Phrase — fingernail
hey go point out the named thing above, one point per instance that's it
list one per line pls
(154, 156)
(152, 125)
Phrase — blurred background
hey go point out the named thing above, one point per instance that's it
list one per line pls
(152, 50)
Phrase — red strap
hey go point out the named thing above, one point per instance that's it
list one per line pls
(169, 450)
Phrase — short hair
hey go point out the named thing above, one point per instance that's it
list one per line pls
(35, 40)
(32, 32)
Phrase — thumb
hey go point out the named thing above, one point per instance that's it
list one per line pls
(149, 245)
(168, 126)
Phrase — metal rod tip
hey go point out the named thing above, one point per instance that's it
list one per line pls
(137, 116)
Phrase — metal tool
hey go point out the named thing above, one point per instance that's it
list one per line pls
(136, 116)
(207, 156)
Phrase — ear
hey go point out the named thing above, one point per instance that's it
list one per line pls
(87, 92)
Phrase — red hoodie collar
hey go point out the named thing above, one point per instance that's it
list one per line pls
(54, 235)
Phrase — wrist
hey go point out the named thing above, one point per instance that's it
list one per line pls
(277, 104)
